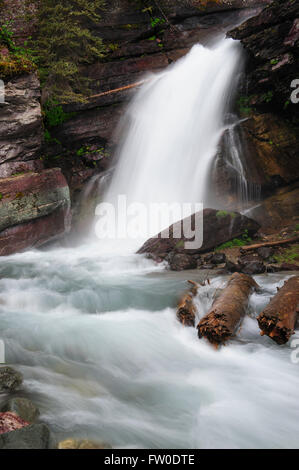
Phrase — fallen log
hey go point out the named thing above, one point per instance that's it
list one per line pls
(274, 243)
(279, 317)
(186, 310)
(117, 90)
(227, 311)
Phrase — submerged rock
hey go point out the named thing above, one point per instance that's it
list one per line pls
(34, 436)
(22, 407)
(10, 379)
(82, 444)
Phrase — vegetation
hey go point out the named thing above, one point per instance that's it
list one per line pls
(244, 240)
(14, 60)
(64, 43)
(289, 255)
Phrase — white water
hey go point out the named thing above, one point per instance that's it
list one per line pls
(94, 331)
(173, 126)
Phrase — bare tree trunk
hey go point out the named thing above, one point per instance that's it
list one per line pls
(227, 310)
(186, 310)
(279, 317)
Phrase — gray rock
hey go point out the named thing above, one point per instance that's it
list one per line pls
(253, 267)
(35, 436)
(23, 408)
(180, 262)
(265, 252)
(218, 258)
(10, 379)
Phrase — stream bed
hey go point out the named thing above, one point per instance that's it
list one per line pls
(103, 356)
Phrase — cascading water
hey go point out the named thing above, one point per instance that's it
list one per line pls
(94, 332)
(173, 127)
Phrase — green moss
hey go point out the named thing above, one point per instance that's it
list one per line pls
(1, 196)
(225, 213)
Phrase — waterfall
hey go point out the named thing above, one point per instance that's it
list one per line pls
(172, 128)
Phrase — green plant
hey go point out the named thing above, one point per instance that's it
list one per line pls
(54, 114)
(244, 240)
(65, 41)
(288, 255)
(267, 97)
(274, 61)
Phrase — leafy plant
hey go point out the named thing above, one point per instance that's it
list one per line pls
(245, 239)
(65, 41)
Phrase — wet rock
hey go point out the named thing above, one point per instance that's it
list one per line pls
(289, 267)
(218, 258)
(10, 379)
(10, 422)
(34, 208)
(180, 262)
(270, 41)
(82, 444)
(253, 267)
(23, 408)
(265, 252)
(232, 267)
(218, 227)
(277, 211)
(34, 436)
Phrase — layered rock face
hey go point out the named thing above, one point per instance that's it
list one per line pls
(21, 128)
(269, 130)
(34, 208)
(139, 40)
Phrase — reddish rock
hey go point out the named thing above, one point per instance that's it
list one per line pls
(10, 422)
(34, 208)
(34, 233)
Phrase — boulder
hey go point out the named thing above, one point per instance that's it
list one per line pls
(180, 262)
(10, 379)
(34, 208)
(34, 436)
(82, 444)
(265, 252)
(10, 422)
(23, 408)
(218, 227)
(253, 267)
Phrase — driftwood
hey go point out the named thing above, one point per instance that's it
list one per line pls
(279, 317)
(186, 310)
(117, 90)
(276, 243)
(227, 310)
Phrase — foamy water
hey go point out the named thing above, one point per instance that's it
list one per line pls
(104, 357)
